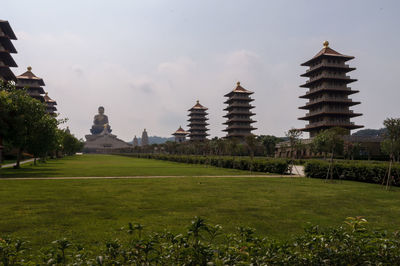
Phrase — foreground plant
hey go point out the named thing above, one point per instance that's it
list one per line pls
(205, 244)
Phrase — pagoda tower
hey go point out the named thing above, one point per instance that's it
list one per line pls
(7, 48)
(239, 114)
(197, 122)
(50, 105)
(32, 83)
(135, 142)
(180, 135)
(328, 94)
(145, 138)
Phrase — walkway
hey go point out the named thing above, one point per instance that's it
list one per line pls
(12, 164)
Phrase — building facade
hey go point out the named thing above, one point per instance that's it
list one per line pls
(239, 113)
(198, 122)
(328, 92)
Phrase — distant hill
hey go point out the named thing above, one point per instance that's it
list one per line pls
(370, 132)
(155, 140)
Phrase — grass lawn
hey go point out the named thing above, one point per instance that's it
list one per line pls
(91, 211)
(113, 165)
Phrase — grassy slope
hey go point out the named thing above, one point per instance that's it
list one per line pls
(111, 165)
(91, 210)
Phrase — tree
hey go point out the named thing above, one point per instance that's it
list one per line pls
(295, 144)
(330, 141)
(391, 144)
(251, 143)
(69, 143)
(269, 142)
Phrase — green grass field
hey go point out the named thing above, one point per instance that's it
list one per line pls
(92, 211)
(112, 165)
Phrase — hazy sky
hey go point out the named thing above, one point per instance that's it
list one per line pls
(147, 62)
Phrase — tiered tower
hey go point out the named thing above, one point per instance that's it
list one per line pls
(197, 122)
(145, 138)
(7, 48)
(239, 114)
(32, 83)
(180, 135)
(328, 92)
(135, 142)
(50, 105)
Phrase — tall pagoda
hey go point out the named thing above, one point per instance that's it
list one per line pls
(145, 138)
(6, 48)
(32, 83)
(328, 94)
(180, 135)
(197, 122)
(50, 104)
(239, 114)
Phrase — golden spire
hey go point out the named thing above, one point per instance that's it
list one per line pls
(197, 101)
(29, 68)
(238, 83)
(326, 44)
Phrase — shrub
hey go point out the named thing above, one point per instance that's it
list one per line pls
(356, 171)
(205, 244)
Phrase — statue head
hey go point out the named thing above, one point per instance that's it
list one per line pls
(101, 110)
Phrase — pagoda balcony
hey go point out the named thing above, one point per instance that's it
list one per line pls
(229, 128)
(7, 59)
(235, 119)
(329, 112)
(344, 78)
(239, 105)
(329, 124)
(323, 100)
(239, 112)
(239, 99)
(197, 128)
(328, 65)
(344, 90)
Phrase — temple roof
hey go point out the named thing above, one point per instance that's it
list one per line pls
(47, 99)
(28, 75)
(198, 106)
(327, 51)
(180, 131)
(6, 28)
(238, 89)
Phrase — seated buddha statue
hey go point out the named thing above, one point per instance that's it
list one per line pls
(100, 123)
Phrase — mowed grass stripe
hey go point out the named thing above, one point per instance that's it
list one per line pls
(92, 211)
(113, 165)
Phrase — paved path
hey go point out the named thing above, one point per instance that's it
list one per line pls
(298, 170)
(12, 164)
(132, 177)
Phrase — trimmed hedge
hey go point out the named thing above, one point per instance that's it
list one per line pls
(277, 166)
(355, 171)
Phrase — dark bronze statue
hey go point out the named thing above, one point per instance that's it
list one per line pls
(100, 123)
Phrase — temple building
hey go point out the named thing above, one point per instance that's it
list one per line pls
(239, 114)
(32, 84)
(197, 122)
(6, 49)
(328, 94)
(180, 135)
(145, 138)
(135, 142)
(50, 105)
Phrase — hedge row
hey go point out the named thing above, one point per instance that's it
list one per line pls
(277, 166)
(355, 171)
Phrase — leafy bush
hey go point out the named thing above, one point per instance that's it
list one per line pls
(356, 171)
(278, 166)
(205, 244)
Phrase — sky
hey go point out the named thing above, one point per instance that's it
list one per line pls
(148, 61)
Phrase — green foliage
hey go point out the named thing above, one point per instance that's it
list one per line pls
(356, 171)
(205, 244)
(278, 166)
(330, 141)
(69, 143)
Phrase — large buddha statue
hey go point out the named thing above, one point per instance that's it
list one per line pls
(100, 123)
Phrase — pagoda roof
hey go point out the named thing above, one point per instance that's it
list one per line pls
(7, 59)
(327, 51)
(28, 75)
(6, 28)
(238, 89)
(180, 131)
(47, 99)
(198, 106)
(7, 44)
(7, 74)
(344, 90)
